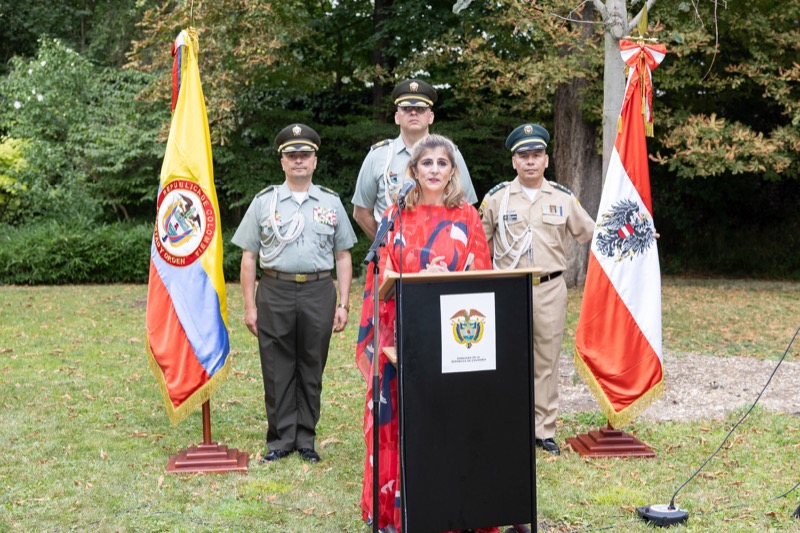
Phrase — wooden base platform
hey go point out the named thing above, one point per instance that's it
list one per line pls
(208, 458)
(609, 442)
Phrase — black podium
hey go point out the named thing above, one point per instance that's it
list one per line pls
(465, 394)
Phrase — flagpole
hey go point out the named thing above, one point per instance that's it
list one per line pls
(208, 456)
(207, 422)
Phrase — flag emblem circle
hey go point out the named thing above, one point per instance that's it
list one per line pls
(186, 223)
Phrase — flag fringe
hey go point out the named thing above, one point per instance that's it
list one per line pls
(198, 397)
(621, 418)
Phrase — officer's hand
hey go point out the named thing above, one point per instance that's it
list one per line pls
(251, 320)
(339, 319)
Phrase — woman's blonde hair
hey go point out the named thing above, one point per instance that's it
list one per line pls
(453, 191)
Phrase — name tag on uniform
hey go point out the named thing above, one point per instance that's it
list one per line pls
(325, 216)
(552, 210)
(510, 217)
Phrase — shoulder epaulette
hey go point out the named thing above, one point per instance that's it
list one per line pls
(560, 187)
(497, 187)
(379, 144)
(329, 191)
(266, 190)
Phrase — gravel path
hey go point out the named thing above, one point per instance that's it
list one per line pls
(701, 387)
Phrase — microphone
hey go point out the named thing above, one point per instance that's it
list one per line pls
(408, 185)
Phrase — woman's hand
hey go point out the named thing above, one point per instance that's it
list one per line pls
(437, 264)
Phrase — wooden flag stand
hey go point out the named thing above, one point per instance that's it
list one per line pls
(209, 456)
(609, 442)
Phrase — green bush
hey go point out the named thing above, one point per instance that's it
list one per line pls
(52, 253)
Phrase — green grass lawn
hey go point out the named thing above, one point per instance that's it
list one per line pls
(85, 439)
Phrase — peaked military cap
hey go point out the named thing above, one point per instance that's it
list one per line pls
(414, 93)
(527, 137)
(297, 138)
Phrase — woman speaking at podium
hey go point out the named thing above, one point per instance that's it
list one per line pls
(440, 233)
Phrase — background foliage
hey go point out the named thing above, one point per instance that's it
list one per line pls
(84, 105)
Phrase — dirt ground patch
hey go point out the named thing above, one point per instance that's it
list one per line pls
(701, 387)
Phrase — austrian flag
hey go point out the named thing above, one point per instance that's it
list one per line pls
(618, 348)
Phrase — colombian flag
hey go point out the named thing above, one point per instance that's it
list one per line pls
(618, 350)
(187, 312)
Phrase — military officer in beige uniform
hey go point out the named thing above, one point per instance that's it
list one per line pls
(527, 222)
(297, 232)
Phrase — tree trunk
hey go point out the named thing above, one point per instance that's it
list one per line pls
(380, 13)
(613, 76)
(617, 26)
(577, 164)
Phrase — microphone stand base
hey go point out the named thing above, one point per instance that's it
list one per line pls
(661, 515)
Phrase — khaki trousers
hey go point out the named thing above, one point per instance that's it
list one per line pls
(549, 313)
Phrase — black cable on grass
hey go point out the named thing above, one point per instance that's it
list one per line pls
(672, 501)
(590, 527)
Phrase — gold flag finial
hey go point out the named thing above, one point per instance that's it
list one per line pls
(642, 25)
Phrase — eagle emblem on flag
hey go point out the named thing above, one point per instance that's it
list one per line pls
(624, 231)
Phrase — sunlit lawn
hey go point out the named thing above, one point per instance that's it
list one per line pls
(86, 439)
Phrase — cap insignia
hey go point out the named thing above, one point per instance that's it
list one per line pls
(297, 130)
(528, 130)
(414, 86)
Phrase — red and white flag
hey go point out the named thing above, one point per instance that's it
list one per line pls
(618, 338)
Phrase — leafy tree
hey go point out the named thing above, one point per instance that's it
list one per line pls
(100, 30)
(12, 164)
(245, 52)
(89, 144)
(731, 94)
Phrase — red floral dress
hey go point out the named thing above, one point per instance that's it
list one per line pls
(427, 232)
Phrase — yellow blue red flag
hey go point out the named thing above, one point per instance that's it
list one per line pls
(187, 312)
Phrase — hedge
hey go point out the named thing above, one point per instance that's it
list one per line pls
(53, 253)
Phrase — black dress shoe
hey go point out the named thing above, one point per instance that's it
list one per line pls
(309, 455)
(275, 455)
(548, 445)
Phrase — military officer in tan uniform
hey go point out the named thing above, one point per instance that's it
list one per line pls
(527, 222)
(297, 232)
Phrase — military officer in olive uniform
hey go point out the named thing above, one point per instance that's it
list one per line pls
(384, 169)
(527, 222)
(297, 232)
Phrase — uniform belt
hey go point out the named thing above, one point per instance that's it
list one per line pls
(539, 281)
(297, 278)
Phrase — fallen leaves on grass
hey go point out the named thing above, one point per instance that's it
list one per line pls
(329, 440)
